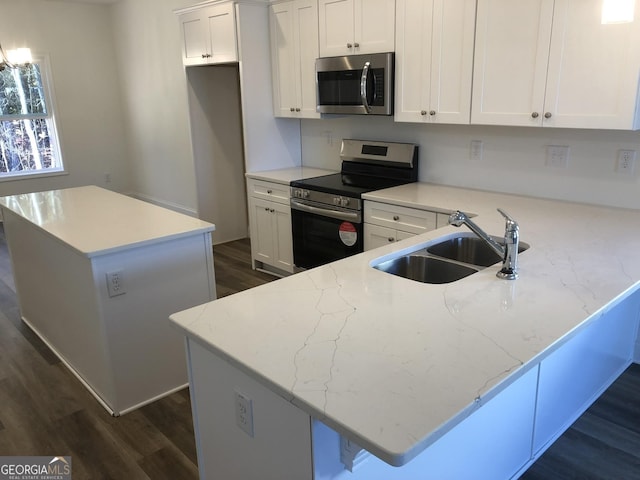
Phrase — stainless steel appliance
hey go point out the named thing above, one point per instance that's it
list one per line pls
(326, 211)
(355, 84)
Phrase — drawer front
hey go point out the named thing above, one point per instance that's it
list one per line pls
(276, 192)
(406, 219)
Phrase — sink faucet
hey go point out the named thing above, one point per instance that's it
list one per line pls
(508, 252)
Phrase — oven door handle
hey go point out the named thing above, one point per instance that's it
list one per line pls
(337, 214)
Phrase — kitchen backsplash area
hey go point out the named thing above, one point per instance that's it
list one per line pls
(512, 159)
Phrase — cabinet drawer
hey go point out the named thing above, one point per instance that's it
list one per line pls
(276, 192)
(406, 219)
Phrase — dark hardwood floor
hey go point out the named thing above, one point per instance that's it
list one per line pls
(44, 410)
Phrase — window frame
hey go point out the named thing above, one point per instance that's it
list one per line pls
(42, 60)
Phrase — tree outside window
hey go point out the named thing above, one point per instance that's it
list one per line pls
(28, 140)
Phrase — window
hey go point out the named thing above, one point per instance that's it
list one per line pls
(28, 139)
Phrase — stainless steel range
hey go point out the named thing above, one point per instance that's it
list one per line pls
(326, 211)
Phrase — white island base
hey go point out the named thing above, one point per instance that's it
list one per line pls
(497, 437)
(66, 245)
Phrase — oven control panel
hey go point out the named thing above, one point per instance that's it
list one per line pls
(341, 201)
(299, 193)
(328, 199)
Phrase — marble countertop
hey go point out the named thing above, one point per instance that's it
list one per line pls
(95, 221)
(286, 175)
(394, 364)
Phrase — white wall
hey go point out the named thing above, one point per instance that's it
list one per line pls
(148, 44)
(513, 160)
(78, 39)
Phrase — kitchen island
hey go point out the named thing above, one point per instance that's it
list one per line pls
(470, 379)
(97, 273)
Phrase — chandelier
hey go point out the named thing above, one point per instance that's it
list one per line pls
(14, 58)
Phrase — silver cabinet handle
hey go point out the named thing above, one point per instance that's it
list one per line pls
(269, 192)
(292, 109)
(432, 112)
(266, 209)
(363, 86)
(391, 239)
(349, 45)
(297, 109)
(396, 218)
(535, 115)
(271, 210)
(423, 112)
(356, 45)
(547, 115)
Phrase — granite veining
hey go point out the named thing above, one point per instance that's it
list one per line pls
(394, 364)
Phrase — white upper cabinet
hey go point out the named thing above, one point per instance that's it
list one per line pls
(209, 35)
(553, 63)
(434, 60)
(294, 49)
(348, 27)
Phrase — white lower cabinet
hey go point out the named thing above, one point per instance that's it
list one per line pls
(385, 223)
(376, 236)
(574, 376)
(270, 225)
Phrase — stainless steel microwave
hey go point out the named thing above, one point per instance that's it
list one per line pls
(355, 84)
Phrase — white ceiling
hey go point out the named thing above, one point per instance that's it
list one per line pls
(94, 1)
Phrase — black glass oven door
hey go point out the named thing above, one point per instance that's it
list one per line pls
(318, 239)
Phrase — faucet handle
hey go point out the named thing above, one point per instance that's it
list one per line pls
(511, 223)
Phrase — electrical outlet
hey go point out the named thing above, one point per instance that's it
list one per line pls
(557, 156)
(244, 412)
(115, 283)
(107, 178)
(476, 150)
(626, 162)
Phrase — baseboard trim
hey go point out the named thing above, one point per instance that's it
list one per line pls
(163, 203)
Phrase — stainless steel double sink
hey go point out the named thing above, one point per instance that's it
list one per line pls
(445, 261)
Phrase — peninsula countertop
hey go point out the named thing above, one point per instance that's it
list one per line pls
(95, 221)
(394, 364)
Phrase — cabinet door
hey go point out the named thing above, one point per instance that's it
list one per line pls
(306, 44)
(452, 60)
(434, 60)
(593, 68)
(336, 20)
(511, 53)
(374, 26)
(194, 38)
(283, 64)
(413, 60)
(222, 33)
(283, 240)
(262, 233)
(270, 191)
(376, 236)
(400, 235)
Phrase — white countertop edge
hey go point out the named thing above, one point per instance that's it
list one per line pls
(144, 243)
(286, 175)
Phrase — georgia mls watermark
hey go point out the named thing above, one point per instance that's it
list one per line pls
(35, 468)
